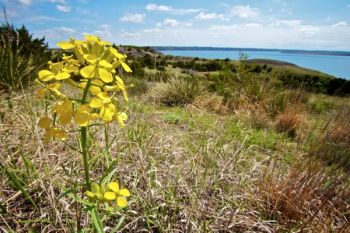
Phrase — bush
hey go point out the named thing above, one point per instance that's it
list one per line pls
(180, 91)
(21, 57)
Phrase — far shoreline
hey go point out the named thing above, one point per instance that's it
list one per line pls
(292, 51)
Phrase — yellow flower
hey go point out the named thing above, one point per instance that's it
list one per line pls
(64, 109)
(119, 87)
(90, 61)
(51, 132)
(121, 194)
(121, 117)
(105, 105)
(53, 88)
(83, 115)
(95, 193)
(95, 87)
(112, 193)
(56, 71)
(120, 60)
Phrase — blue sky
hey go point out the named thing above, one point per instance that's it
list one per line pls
(297, 24)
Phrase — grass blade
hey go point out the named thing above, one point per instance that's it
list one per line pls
(18, 185)
(96, 220)
(117, 227)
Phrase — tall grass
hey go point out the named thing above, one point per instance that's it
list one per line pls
(333, 145)
(310, 198)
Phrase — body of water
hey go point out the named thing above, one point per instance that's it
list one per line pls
(338, 66)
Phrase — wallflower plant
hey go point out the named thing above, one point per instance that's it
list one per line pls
(91, 67)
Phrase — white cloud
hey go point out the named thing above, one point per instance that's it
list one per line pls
(55, 33)
(309, 29)
(43, 18)
(63, 8)
(169, 9)
(130, 35)
(171, 22)
(208, 16)
(25, 2)
(244, 12)
(223, 27)
(340, 24)
(155, 7)
(289, 23)
(151, 30)
(103, 31)
(133, 18)
(253, 25)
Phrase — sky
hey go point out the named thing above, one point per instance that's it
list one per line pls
(284, 24)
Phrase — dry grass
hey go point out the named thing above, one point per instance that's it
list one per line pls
(201, 172)
(333, 144)
(288, 122)
(309, 198)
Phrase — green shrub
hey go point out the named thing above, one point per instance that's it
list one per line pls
(21, 57)
(180, 91)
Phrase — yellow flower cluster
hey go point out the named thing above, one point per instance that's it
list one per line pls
(109, 194)
(92, 68)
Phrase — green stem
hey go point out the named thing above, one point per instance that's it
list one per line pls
(84, 146)
(84, 142)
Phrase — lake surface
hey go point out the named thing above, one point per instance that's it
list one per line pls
(338, 66)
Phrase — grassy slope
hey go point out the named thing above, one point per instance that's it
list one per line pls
(207, 166)
(189, 170)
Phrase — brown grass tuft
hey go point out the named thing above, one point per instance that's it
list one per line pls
(309, 198)
(288, 122)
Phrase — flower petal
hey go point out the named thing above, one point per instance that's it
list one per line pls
(65, 45)
(96, 103)
(106, 114)
(109, 196)
(121, 117)
(46, 75)
(82, 118)
(126, 67)
(88, 71)
(105, 75)
(114, 186)
(62, 76)
(45, 123)
(89, 194)
(124, 192)
(122, 202)
(61, 134)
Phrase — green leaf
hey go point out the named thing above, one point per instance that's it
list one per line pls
(108, 176)
(96, 220)
(18, 185)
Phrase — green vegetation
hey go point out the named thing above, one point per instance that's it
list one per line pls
(209, 146)
(21, 57)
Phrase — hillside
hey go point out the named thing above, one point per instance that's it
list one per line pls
(207, 146)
